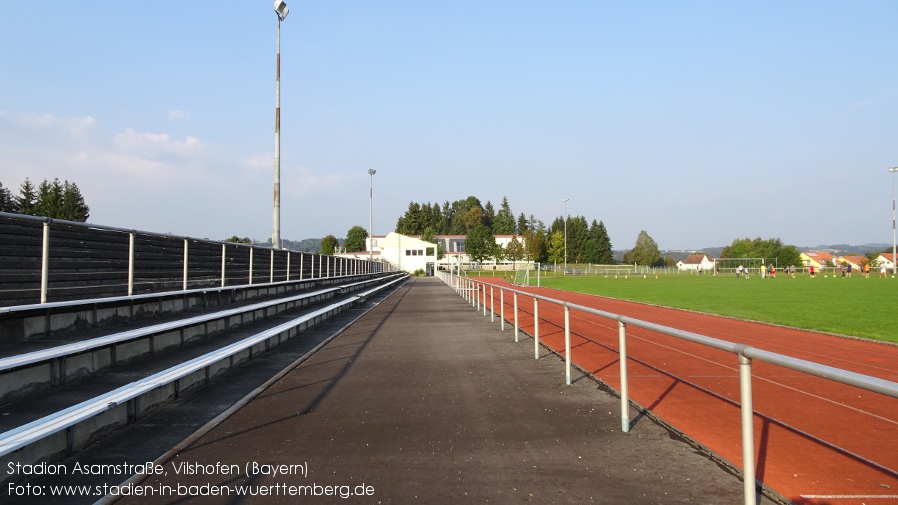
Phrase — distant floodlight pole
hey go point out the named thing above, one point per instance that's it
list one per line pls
(371, 173)
(565, 234)
(280, 8)
(894, 259)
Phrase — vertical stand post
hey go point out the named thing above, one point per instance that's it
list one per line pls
(516, 317)
(185, 264)
(492, 306)
(251, 264)
(45, 262)
(748, 431)
(131, 264)
(567, 344)
(624, 385)
(535, 328)
(502, 309)
(223, 257)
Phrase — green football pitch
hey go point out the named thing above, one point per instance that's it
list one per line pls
(857, 306)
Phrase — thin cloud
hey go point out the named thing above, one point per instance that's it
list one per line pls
(176, 114)
(155, 144)
(259, 162)
(301, 181)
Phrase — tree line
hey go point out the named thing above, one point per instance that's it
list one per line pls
(480, 223)
(53, 199)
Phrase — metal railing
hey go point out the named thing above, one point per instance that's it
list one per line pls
(125, 397)
(326, 266)
(475, 292)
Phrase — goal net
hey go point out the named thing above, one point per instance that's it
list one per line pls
(750, 266)
(521, 277)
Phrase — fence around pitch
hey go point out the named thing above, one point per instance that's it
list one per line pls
(475, 292)
(43, 259)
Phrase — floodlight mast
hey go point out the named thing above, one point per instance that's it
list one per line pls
(371, 173)
(280, 8)
(894, 258)
(565, 201)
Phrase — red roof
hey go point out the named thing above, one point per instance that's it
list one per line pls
(694, 259)
(818, 255)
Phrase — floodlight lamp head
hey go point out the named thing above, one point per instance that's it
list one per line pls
(281, 8)
(371, 171)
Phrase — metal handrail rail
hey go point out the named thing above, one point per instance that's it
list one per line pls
(341, 266)
(466, 286)
(124, 298)
(30, 358)
(26, 434)
(42, 355)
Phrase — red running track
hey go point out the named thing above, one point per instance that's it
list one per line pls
(816, 441)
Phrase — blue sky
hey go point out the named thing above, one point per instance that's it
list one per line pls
(698, 122)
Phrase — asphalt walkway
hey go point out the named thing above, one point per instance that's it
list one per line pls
(422, 400)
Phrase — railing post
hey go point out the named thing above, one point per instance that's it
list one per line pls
(185, 264)
(131, 264)
(748, 431)
(516, 326)
(223, 256)
(251, 264)
(302, 260)
(624, 386)
(535, 328)
(45, 262)
(484, 299)
(567, 344)
(271, 267)
(492, 306)
(502, 309)
(288, 265)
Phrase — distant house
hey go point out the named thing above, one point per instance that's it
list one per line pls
(853, 260)
(410, 253)
(403, 252)
(817, 259)
(887, 259)
(696, 263)
(454, 248)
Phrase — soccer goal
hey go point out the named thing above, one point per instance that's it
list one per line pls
(750, 266)
(521, 277)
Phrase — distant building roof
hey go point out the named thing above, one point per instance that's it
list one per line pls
(695, 259)
(818, 255)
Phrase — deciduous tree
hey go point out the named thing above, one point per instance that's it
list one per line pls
(329, 245)
(355, 239)
(556, 247)
(480, 243)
